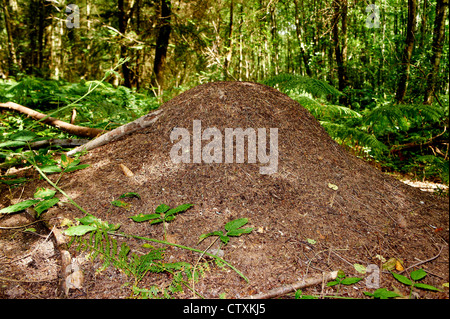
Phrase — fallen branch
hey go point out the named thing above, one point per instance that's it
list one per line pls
(423, 261)
(67, 127)
(69, 142)
(115, 134)
(325, 277)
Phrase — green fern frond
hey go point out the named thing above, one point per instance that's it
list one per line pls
(325, 111)
(292, 83)
(345, 133)
(391, 117)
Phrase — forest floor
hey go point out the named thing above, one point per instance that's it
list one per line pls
(323, 210)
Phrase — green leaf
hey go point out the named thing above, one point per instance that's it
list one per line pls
(51, 169)
(87, 220)
(332, 283)
(239, 232)
(402, 279)
(79, 230)
(382, 293)
(425, 286)
(156, 221)
(119, 203)
(22, 136)
(44, 193)
(350, 280)
(44, 205)
(19, 206)
(214, 233)
(12, 144)
(418, 274)
(178, 209)
(130, 194)
(75, 167)
(142, 218)
(162, 209)
(235, 224)
(360, 268)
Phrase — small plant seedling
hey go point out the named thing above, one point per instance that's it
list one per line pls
(232, 228)
(416, 275)
(90, 223)
(43, 200)
(382, 293)
(342, 280)
(163, 214)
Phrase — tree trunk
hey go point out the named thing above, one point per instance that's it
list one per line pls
(162, 43)
(407, 53)
(123, 21)
(229, 44)
(12, 58)
(438, 40)
(340, 46)
(299, 30)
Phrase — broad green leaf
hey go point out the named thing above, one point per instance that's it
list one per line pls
(425, 286)
(239, 232)
(402, 279)
(382, 293)
(311, 241)
(142, 218)
(156, 221)
(19, 206)
(22, 136)
(44, 193)
(51, 169)
(178, 209)
(12, 144)
(162, 208)
(45, 204)
(235, 224)
(87, 220)
(79, 230)
(350, 280)
(418, 274)
(332, 283)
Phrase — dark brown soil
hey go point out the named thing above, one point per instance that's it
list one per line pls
(369, 215)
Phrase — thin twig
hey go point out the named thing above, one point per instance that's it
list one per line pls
(424, 261)
(325, 277)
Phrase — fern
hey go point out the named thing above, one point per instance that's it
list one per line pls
(292, 83)
(354, 136)
(389, 118)
(101, 245)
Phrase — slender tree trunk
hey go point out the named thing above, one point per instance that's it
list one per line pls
(162, 43)
(299, 30)
(407, 53)
(340, 46)
(12, 58)
(438, 41)
(123, 21)
(229, 43)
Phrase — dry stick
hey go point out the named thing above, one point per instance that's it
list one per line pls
(73, 129)
(325, 277)
(113, 135)
(424, 261)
